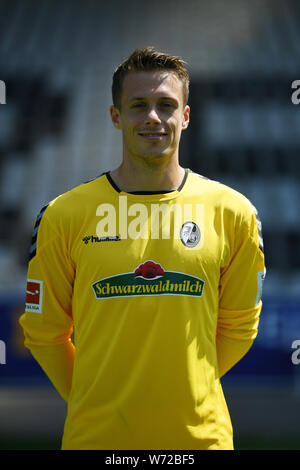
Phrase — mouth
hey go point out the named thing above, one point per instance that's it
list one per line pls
(153, 136)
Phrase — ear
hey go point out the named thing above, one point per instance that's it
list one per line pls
(186, 117)
(115, 117)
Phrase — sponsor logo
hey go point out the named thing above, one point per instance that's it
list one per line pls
(149, 278)
(190, 234)
(93, 239)
(34, 296)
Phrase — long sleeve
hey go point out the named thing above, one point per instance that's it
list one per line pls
(230, 352)
(47, 320)
(240, 293)
(57, 362)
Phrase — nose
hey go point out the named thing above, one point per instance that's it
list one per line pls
(152, 116)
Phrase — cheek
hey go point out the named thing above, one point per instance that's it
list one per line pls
(129, 129)
(175, 121)
(176, 127)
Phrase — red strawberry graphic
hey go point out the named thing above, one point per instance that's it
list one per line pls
(149, 270)
(138, 271)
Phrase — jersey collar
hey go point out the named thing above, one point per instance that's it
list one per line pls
(114, 185)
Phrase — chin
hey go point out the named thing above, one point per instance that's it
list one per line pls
(155, 158)
(159, 153)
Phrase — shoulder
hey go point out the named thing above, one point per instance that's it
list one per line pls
(74, 202)
(222, 196)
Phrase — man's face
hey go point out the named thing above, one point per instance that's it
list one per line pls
(153, 115)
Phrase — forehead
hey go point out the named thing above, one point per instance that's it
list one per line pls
(156, 84)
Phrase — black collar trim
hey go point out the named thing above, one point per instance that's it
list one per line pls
(107, 173)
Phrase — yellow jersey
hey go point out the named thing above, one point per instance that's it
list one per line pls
(145, 281)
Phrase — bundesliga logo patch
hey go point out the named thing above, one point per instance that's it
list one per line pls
(34, 296)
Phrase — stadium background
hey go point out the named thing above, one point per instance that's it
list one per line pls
(57, 59)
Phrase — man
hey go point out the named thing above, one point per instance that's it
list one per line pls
(158, 271)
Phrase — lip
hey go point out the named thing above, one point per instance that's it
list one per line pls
(152, 136)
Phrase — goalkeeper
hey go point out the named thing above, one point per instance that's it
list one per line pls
(156, 270)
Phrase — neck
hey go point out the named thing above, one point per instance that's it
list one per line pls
(130, 178)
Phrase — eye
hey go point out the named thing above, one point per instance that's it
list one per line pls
(137, 105)
(167, 105)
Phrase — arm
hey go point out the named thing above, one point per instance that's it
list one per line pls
(47, 321)
(57, 362)
(240, 294)
(229, 352)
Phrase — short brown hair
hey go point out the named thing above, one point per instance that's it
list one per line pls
(148, 59)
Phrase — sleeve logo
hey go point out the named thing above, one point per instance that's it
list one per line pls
(260, 280)
(34, 296)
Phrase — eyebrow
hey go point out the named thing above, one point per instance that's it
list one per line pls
(138, 98)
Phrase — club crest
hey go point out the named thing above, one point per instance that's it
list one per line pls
(190, 234)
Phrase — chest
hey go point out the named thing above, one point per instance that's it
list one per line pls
(148, 240)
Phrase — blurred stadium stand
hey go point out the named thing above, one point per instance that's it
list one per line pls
(57, 59)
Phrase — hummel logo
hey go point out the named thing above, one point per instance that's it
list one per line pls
(94, 239)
